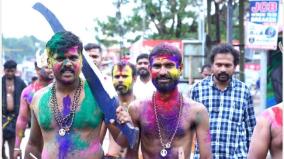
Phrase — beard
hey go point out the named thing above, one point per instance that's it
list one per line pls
(223, 77)
(143, 72)
(121, 89)
(10, 77)
(45, 76)
(165, 87)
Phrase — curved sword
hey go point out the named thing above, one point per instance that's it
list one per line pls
(49, 16)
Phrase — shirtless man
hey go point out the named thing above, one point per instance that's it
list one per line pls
(123, 78)
(66, 118)
(267, 134)
(12, 87)
(168, 121)
(45, 76)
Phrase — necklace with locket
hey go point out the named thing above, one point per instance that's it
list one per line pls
(166, 145)
(64, 121)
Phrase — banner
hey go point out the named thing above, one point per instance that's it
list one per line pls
(262, 28)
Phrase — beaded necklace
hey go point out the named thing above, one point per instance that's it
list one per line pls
(166, 145)
(64, 122)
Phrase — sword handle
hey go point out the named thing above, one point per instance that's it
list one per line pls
(131, 133)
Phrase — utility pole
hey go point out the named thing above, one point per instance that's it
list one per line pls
(230, 21)
(242, 37)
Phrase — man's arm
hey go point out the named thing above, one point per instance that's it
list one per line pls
(103, 131)
(35, 143)
(203, 133)
(260, 140)
(22, 121)
(124, 117)
(134, 114)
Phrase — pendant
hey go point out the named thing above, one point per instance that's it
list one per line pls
(61, 132)
(163, 152)
(168, 145)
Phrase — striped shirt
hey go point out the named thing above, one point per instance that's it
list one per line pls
(231, 114)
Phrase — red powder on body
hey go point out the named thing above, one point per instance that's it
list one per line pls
(172, 101)
(278, 115)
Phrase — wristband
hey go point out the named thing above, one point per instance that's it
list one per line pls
(17, 149)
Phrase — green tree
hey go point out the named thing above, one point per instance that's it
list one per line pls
(20, 49)
(153, 19)
(216, 21)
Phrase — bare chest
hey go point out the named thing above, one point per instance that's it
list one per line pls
(165, 125)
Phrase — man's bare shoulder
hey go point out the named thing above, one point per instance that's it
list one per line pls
(194, 106)
(140, 104)
(271, 115)
(27, 89)
(37, 96)
(275, 108)
(137, 106)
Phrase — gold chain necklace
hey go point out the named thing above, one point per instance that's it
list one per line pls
(166, 145)
(64, 122)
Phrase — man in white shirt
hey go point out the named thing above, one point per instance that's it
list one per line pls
(143, 87)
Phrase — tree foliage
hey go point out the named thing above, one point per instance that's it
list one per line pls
(217, 21)
(20, 49)
(153, 19)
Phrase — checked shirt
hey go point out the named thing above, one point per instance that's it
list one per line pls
(231, 116)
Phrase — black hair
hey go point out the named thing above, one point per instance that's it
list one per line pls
(142, 56)
(10, 64)
(90, 46)
(122, 64)
(61, 42)
(34, 78)
(168, 49)
(205, 66)
(225, 49)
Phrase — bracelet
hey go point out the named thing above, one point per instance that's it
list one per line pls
(17, 149)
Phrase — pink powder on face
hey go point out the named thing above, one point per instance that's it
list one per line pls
(73, 49)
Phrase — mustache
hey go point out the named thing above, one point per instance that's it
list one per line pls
(142, 69)
(164, 77)
(67, 69)
(119, 86)
(223, 74)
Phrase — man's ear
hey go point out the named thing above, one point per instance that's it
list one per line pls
(181, 67)
(49, 63)
(149, 68)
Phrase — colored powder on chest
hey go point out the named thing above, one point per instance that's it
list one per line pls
(278, 115)
(45, 114)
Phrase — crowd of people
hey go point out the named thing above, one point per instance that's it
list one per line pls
(215, 120)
